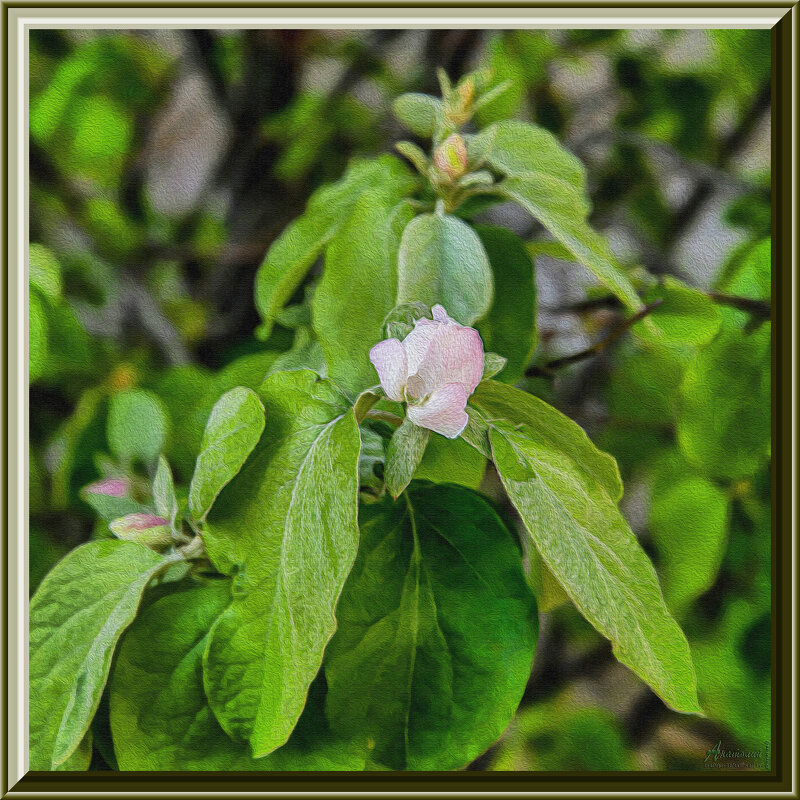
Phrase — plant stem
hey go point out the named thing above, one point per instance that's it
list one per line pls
(547, 370)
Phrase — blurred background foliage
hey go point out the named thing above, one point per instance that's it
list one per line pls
(164, 163)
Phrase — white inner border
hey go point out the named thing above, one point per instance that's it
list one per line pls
(336, 19)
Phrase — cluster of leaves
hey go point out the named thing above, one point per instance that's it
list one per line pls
(432, 595)
(212, 642)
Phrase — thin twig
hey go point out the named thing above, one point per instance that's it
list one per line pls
(761, 309)
(547, 370)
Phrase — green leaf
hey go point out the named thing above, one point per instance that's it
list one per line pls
(451, 461)
(81, 757)
(723, 423)
(684, 316)
(510, 326)
(358, 288)
(520, 147)
(296, 249)
(137, 425)
(562, 209)
(286, 527)
(688, 522)
(750, 276)
(164, 498)
(233, 429)
(44, 271)
(496, 401)
(574, 522)
(420, 113)
(405, 451)
(437, 630)
(76, 618)
(37, 336)
(415, 155)
(160, 716)
(492, 364)
(442, 260)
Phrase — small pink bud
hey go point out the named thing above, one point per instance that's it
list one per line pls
(110, 487)
(147, 529)
(434, 369)
(451, 156)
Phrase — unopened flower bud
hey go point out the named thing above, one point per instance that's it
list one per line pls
(450, 157)
(110, 487)
(147, 529)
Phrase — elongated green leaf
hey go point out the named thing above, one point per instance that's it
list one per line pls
(287, 528)
(403, 455)
(510, 326)
(76, 617)
(442, 260)
(164, 498)
(420, 113)
(574, 522)
(437, 630)
(520, 147)
(723, 421)
(298, 246)
(562, 209)
(496, 401)
(160, 717)
(233, 429)
(359, 288)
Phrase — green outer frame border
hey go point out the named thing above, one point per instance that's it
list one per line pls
(780, 779)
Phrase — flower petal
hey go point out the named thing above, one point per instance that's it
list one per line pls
(417, 342)
(455, 355)
(443, 412)
(389, 359)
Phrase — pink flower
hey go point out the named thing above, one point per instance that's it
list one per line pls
(434, 369)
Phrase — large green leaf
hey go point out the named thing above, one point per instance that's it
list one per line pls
(76, 617)
(442, 260)
(437, 630)
(510, 326)
(287, 528)
(451, 461)
(550, 427)
(233, 429)
(519, 147)
(566, 492)
(160, 717)
(562, 209)
(296, 249)
(359, 288)
(723, 421)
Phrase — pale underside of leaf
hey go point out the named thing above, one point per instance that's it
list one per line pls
(287, 528)
(579, 532)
